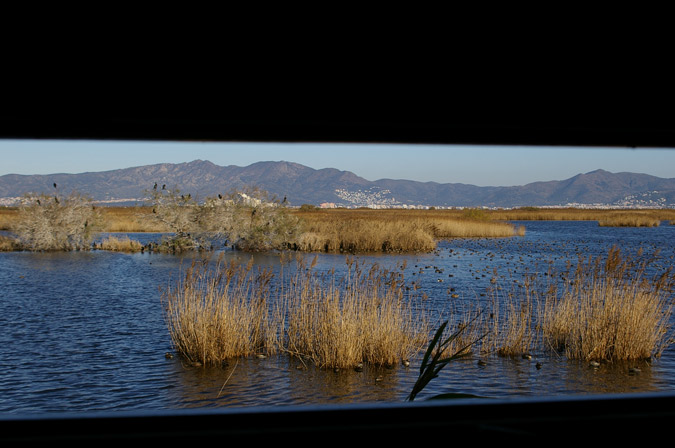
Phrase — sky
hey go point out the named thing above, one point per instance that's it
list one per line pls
(475, 165)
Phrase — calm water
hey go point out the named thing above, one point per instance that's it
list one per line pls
(85, 331)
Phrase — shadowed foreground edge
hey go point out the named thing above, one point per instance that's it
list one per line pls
(590, 418)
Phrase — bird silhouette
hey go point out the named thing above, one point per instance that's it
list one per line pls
(155, 187)
(54, 184)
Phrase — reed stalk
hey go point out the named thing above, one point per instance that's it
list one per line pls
(228, 311)
(609, 311)
(604, 309)
(364, 318)
(215, 314)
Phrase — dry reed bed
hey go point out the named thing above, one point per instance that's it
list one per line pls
(130, 219)
(8, 217)
(216, 315)
(603, 310)
(356, 230)
(630, 220)
(226, 312)
(575, 214)
(124, 244)
(388, 230)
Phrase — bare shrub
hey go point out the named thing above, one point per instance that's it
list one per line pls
(55, 222)
(248, 219)
(178, 213)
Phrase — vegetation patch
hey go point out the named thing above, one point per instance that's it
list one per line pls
(232, 310)
(249, 220)
(392, 231)
(630, 220)
(603, 309)
(9, 244)
(124, 244)
(56, 222)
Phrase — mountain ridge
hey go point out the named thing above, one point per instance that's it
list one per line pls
(305, 185)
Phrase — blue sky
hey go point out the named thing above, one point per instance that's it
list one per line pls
(477, 165)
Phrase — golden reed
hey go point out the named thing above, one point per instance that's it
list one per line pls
(231, 310)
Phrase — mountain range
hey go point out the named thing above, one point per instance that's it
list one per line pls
(304, 185)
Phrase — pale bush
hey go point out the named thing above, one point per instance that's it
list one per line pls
(54, 222)
(248, 219)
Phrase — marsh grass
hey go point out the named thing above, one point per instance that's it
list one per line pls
(609, 311)
(8, 217)
(630, 220)
(366, 317)
(130, 219)
(365, 235)
(602, 309)
(217, 313)
(124, 244)
(510, 329)
(230, 310)
(393, 231)
(625, 216)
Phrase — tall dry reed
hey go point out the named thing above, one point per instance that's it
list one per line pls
(228, 311)
(354, 235)
(604, 309)
(124, 244)
(511, 328)
(609, 311)
(130, 219)
(366, 317)
(389, 230)
(218, 313)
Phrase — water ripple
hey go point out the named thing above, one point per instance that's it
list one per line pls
(85, 332)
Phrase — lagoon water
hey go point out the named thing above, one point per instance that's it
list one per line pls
(85, 331)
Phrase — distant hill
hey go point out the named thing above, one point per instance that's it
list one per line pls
(304, 185)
